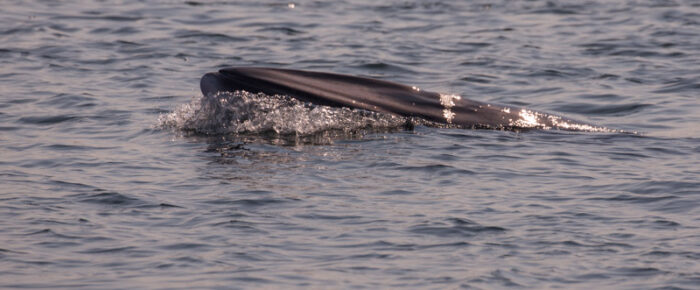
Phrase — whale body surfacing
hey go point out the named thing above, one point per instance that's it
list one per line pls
(338, 90)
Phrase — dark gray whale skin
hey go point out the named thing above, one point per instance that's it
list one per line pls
(339, 90)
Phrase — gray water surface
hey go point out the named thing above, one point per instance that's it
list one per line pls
(96, 193)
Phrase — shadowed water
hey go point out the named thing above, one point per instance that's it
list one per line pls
(104, 185)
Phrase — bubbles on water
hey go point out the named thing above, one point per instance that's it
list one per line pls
(241, 112)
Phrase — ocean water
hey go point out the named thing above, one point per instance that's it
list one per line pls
(115, 174)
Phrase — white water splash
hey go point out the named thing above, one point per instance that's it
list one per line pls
(532, 119)
(242, 112)
(560, 123)
(245, 113)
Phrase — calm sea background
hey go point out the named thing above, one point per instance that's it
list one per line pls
(96, 193)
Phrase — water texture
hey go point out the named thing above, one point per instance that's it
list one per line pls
(97, 193)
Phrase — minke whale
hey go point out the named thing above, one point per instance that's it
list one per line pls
(338, 90)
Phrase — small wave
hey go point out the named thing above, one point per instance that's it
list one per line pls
(208, 35)
(47, 120)
(459, 228)
(241, 112)
(110, 198)
(593, 109)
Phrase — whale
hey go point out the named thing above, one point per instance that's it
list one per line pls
(356, 92)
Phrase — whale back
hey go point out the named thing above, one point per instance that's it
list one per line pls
(337, 90)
